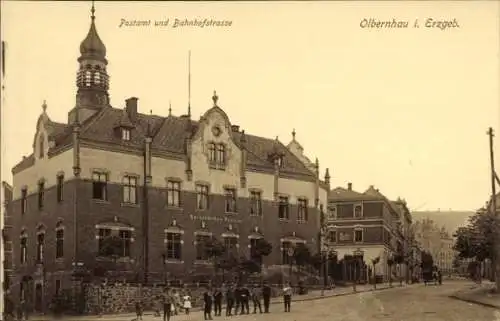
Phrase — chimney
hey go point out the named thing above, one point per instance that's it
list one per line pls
(235, 128)
(349, 186)
(131, 108)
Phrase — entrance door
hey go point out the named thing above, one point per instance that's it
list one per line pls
(38, 297)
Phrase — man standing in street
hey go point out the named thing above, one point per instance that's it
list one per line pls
(266, 294)
(245, 299)
(207, 298)
(229, 300)
(287, 296)
(256, 294)
(217, 302)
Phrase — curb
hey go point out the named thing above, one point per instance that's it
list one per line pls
(488, 305)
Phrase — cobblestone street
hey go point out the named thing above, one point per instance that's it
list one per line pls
(413, 303)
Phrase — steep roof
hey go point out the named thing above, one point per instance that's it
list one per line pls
(169, 134)
(344, 194)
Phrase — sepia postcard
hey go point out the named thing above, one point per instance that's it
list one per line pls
(237, 160)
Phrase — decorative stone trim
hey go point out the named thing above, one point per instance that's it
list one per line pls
(255, 189)
(202, 262)
(255, 237)
(100, 171)
(202, 233)
(230, 235)
(173, 179)
(203, 183)
(114, 227)
(174, 230)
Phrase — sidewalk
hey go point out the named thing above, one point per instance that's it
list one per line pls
(479, 294)
(312, 295)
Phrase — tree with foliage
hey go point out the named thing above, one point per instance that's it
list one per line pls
(261, 249)
(302, 255)
(216, 252)
(375, 261)
(390, 264)
(399, 259)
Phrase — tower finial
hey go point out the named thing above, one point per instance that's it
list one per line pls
(293, 134)
(170, 108)
(215, 98)
(189, 83)
(44, 106)
(92, 11)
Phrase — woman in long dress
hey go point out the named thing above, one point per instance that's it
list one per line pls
(187, 302)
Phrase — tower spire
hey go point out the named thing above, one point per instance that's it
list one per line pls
(92, 11)
(189, 83)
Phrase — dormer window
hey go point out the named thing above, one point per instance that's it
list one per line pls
(125, 134)
(279, 161)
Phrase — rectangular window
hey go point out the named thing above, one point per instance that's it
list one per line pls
(332, 236)
(59, 188)
(221, 154)
(253, 245)
(58, 287)
(100, 186)
(358, 211)
(174, 246)
(302, 210)
(358, 236)
(24, 250)
(41, 194)
(212, 153)
(125, 134)
(286, 248)
(201, 197)
(103, 234)
(173, 193)
(201, 247)
(255, 203)
(283, 208)
(59, 243)
(24, 200)
(126, 237)
(40, 245)
(130, 189)
(231, 245)
(230, 203)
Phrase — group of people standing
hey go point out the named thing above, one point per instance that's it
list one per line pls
(237, 299)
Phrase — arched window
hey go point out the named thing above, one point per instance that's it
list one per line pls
(88, 78)
(97, 77)
(41, 146)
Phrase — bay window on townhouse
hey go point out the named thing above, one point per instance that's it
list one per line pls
(173, 193)
(255, 203)
(130, 190)
(283, 208)
(100, 186)
(217, 155)
(202, 192)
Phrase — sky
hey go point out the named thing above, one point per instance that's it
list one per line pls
(405, 110)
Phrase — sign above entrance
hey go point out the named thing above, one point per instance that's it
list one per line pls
(218, 219)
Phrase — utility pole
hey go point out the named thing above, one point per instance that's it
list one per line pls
(494, 210)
